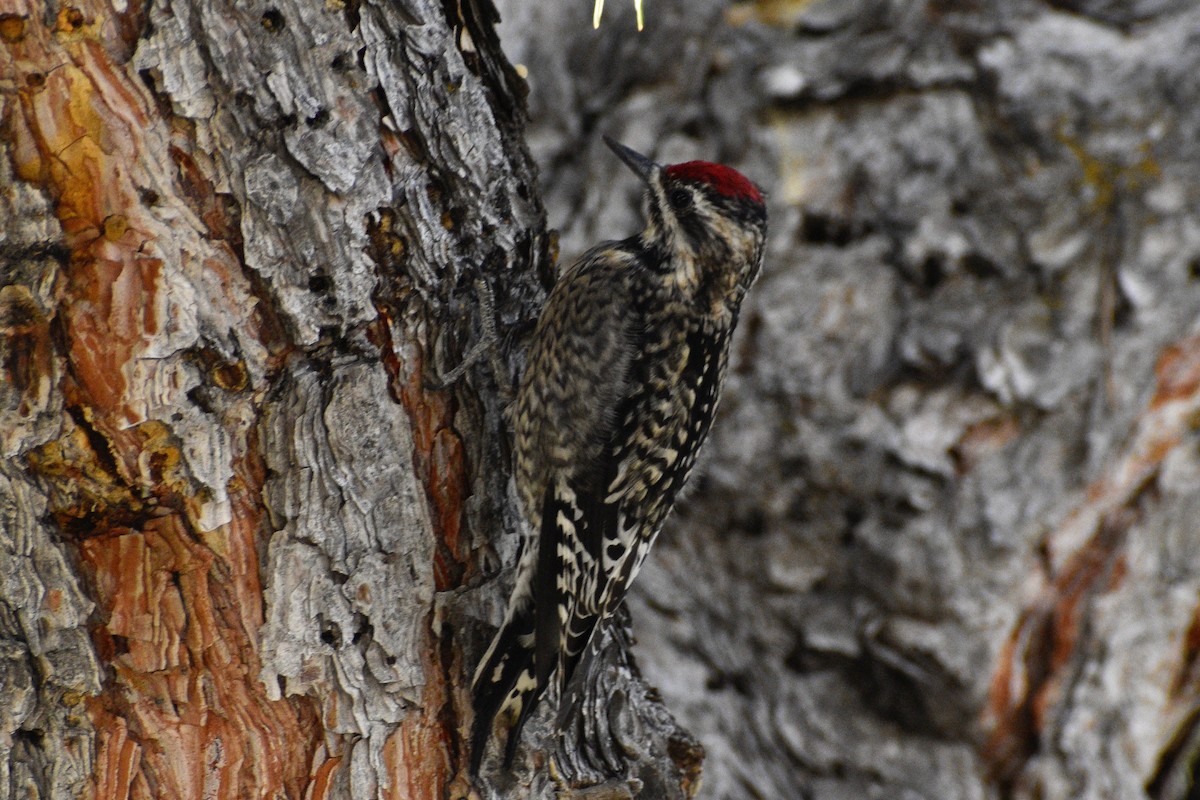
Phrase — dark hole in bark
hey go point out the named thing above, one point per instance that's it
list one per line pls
(273, 21)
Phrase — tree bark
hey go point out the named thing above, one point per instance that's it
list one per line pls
(243, 534)
(945, 544)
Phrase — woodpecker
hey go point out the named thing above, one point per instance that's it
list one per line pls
(619, 391)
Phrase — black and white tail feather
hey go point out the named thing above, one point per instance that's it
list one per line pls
(546, 630)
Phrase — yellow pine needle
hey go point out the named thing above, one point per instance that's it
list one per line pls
(598, 11)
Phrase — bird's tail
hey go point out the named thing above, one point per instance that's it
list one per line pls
(517, 667)
(505, 683)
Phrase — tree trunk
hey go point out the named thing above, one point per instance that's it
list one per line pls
(946, 541)
(243, 532)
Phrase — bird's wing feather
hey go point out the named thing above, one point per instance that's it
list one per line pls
(653, 469)
(580, 422)
(585, 340)
(561, 428)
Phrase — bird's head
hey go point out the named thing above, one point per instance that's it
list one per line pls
(701, 215)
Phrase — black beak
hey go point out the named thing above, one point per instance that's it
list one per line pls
(632, 158)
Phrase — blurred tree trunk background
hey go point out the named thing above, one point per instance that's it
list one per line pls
(947, 539)
(945, 543)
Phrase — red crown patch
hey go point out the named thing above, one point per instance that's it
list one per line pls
(724, 180)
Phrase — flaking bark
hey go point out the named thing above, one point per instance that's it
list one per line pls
(244, 536)
(946, 542)
(945, 545)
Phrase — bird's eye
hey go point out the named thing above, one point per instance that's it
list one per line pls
(680, 199)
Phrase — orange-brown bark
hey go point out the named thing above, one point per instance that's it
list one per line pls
(419, 754)
(183, 712)
(1087, 561)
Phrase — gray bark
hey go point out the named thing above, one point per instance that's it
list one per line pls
(47, 662)
(944, 544)
(300, 206)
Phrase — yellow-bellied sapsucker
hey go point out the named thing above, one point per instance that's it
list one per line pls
(619, 390)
